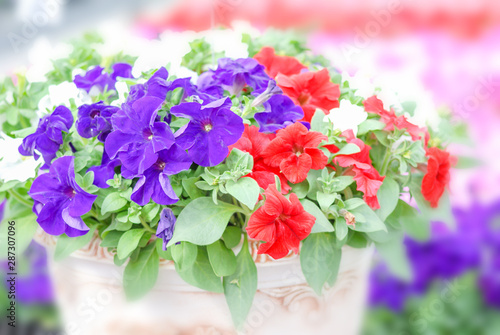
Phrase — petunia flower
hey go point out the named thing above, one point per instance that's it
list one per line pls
(95, 120)
(166, 226)
(368, 181)
(311, 90)
(211, 129)
(137, 137)
(295, 151)
(234, 74)
(154, 183)
(437, 177)
(156, 86)
(255, 142)
(60, 201)
(105, 171)
(97, 79)
(280, 112)
(347, 116)
(48, 136)
(275, 64)
(392, 121)
(280, 222)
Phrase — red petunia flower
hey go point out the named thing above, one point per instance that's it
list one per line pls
(367, 178)
(254, 142)
(368, 181)
(311, 90)
(295, 151)
(280, 222)
(437, 177)
(275, 64)
(375, 105)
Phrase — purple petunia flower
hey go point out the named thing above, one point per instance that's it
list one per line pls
(154, 183)
(60, 201)
(48, 137)
(166, 226)
(95, 120)
(137, 137)
(211, 129)
(95, 77)
(280, 112)
(156, 86)
(271, 90)
(234, 75)
(105, 171)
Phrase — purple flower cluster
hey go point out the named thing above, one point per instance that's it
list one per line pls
(48, 136)
(95, 120)
(474, 245)
(211, 130)
(280, 111)
(233, 75)
(95, 77)
(60, 201)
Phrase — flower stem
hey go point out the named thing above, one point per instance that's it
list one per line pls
(386, 161)
(19, 198)
(146, 226)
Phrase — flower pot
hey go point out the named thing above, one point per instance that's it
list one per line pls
(90, 296)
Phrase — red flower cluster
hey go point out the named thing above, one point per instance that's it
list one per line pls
(254, 142)
(280, 222)
(311, 90)
(367, 178)
(438, 175)
(375, 105)
(275, 64)
(295, 151)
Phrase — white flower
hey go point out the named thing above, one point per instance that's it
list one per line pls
(13, 166)
(347, 116)
(60, 95)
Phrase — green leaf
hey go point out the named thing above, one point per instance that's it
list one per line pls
(325, 200)
(202, 222)
(388, 195)
(189, 185)
(239, 160)
(410, 220)
(165, 254)
(348, 149)
(240, 287)
(111, 239)
(140, 275)
(149, 211)
(357, 240)
(340, 183)
(221, 258)
(232, 236)
(367, 220)
(246, 190)
(201, 274)
(184, 255)
(112, 203)
(319, 260)
(129, 242)
(370, 125)
(322, 224)
(67, 245)
(317, 121)
(341, 229)
(394, 254)
(353, 203)
(301, 189)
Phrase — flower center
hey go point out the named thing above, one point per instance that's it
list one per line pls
(94, 113)
(160, 165)
(207, 127)
(147, 134)
(70, 192)
(298, 150)
(283, 217)
(304, 98)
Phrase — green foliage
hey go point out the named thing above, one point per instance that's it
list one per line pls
(200, 56)
(67, 245)
(221, 258)
(141, 273)
(320, 260)
(201, 273)
(240, 286)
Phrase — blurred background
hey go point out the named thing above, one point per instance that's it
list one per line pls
(443, 55)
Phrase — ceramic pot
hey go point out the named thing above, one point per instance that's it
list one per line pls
(90, 296)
